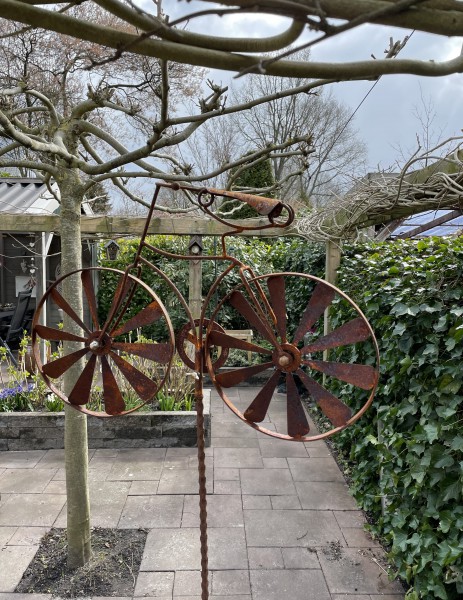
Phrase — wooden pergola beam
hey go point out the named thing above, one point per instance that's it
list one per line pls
(109, 226)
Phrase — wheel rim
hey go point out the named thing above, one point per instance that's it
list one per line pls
(103, 355)
(186, 334)
(262, 304)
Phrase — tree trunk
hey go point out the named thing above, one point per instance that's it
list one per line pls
(75, 433)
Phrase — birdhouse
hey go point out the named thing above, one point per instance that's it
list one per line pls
(195, 246)
(112, 249)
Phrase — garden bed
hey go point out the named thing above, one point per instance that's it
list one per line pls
(156, 429)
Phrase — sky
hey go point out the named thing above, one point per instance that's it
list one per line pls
(385, 121)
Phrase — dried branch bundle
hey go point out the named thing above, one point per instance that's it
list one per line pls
(386, 197)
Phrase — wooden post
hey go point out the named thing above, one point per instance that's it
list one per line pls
(195, 287)
(195, 299)
(332, 262)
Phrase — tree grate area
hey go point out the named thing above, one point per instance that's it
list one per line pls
(111, 571)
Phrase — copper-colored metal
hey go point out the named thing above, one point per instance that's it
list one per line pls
(291, 358)
(187, 335)
(104, 345)
(260, 300)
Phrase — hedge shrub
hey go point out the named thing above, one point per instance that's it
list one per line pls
(408, 450)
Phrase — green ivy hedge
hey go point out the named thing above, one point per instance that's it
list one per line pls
(265, 256)
(406, 453)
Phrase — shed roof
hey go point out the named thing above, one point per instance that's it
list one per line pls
(19, 195)
(30, 195)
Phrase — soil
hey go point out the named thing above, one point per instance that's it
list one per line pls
(111, 571)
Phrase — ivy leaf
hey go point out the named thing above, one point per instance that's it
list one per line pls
(452, 491)
(457, 443)
(445, 461)
(431, 431)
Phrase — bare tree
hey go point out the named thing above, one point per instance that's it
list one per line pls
(309, 177)
(83, 128)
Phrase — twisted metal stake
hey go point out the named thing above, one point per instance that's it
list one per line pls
(202, 474)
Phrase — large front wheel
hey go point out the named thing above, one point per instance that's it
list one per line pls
(293, 357)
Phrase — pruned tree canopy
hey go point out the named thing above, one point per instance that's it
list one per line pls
(158, 37)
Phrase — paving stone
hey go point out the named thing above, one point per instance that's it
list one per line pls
(358, 538)
(276, 482)
(300, 558)
(318, 449)
(14, 560)
(182, 481)
(275, 448)
(229, 442)
(181, 452)
(226, 474)
(179, 549)
(28, 536)
(21, 459)
(6, 533)
(143, 488)
(289, 528)
(172, 550)
(233, 428)
(386, 596)
(227, 583)
(34, 510)
(356, 573)
(98, 474)
(134, 471)
(55, 487)
(239, 458)
(285, 502)
(25, 481)
(188, 583)
(240, 597)
(138, 455)
(169, 597)
(154, 584)
(105, 452)
(315, 469)
(354, 597)
(275, 463)
(107, 499)
(109, 598)
(52, 459)
(324, 495)
(228, 488)
(222, 511)
(227, 548)
(102, 463)
(256, 502)
(294, 584)
(179, 462)
(152, 511)
(350, 518)
(265, 558)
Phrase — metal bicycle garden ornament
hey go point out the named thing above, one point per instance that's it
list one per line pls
(287, 349)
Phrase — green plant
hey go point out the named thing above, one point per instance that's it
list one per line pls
(165, 401)
(406, 453)
(22, 390)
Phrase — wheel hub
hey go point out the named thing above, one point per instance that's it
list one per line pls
(99, 346)
(288, 359)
